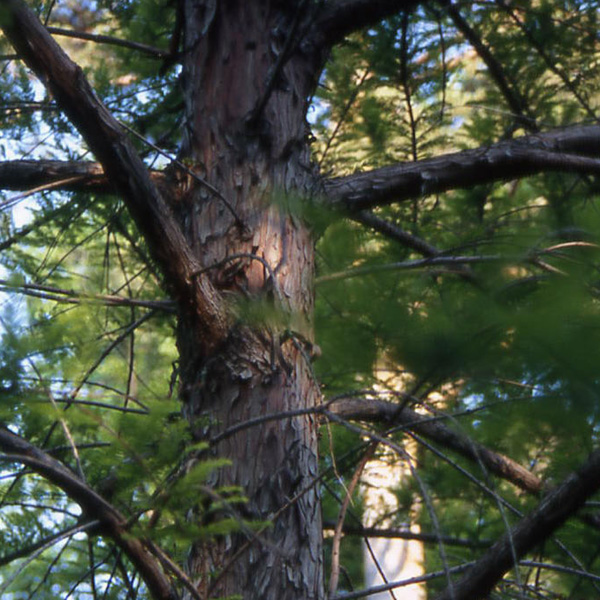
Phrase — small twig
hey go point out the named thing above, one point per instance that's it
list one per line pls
(170, 565)
(377, 589)
(7, 582)
(515, 100)
(103, 405)
(107, 39)
(10, 202)
(409, 264)
(394, 232)
(343, 116)
(46, 542)
(337, 535)
(407, 534)
(57, 294)
(405, 76)
(127, 331)
(63, 424)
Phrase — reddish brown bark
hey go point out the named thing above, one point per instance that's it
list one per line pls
(246, 86)
(248, 74)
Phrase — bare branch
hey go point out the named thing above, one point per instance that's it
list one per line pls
(552, 511)
(47, 541)
(381, 411)
(452, 262)
(406, 534)
(60, 175)
(338, 529)
(48, 292)
(123, 167)
(431, 428)
(24, 175)
(18, 450)
(396, 233)
(113, 41)
(386, 587)
(339, 19)
(573, 150)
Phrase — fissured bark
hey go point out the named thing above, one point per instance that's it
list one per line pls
(247, 137)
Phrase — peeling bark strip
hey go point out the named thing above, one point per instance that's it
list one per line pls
(123, 167)
(18, 450)
(554, 509)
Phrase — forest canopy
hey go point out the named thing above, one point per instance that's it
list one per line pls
(251, 250)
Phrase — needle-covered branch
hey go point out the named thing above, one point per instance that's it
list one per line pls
(573, 150)
(122, 165)
(553, 510)
(17, 450)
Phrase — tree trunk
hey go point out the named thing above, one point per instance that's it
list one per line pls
(250, 143)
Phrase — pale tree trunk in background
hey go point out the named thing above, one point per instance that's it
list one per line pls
(398, 559)
(230, 53)
(395, 559)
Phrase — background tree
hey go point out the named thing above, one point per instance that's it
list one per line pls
(451, 195)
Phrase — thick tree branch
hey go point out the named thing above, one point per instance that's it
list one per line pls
(553, 510)
(340, 18)
(16, 449)
(70, 176)
(24, 175)
(123, 167)
(574, 150)
(438, 432)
